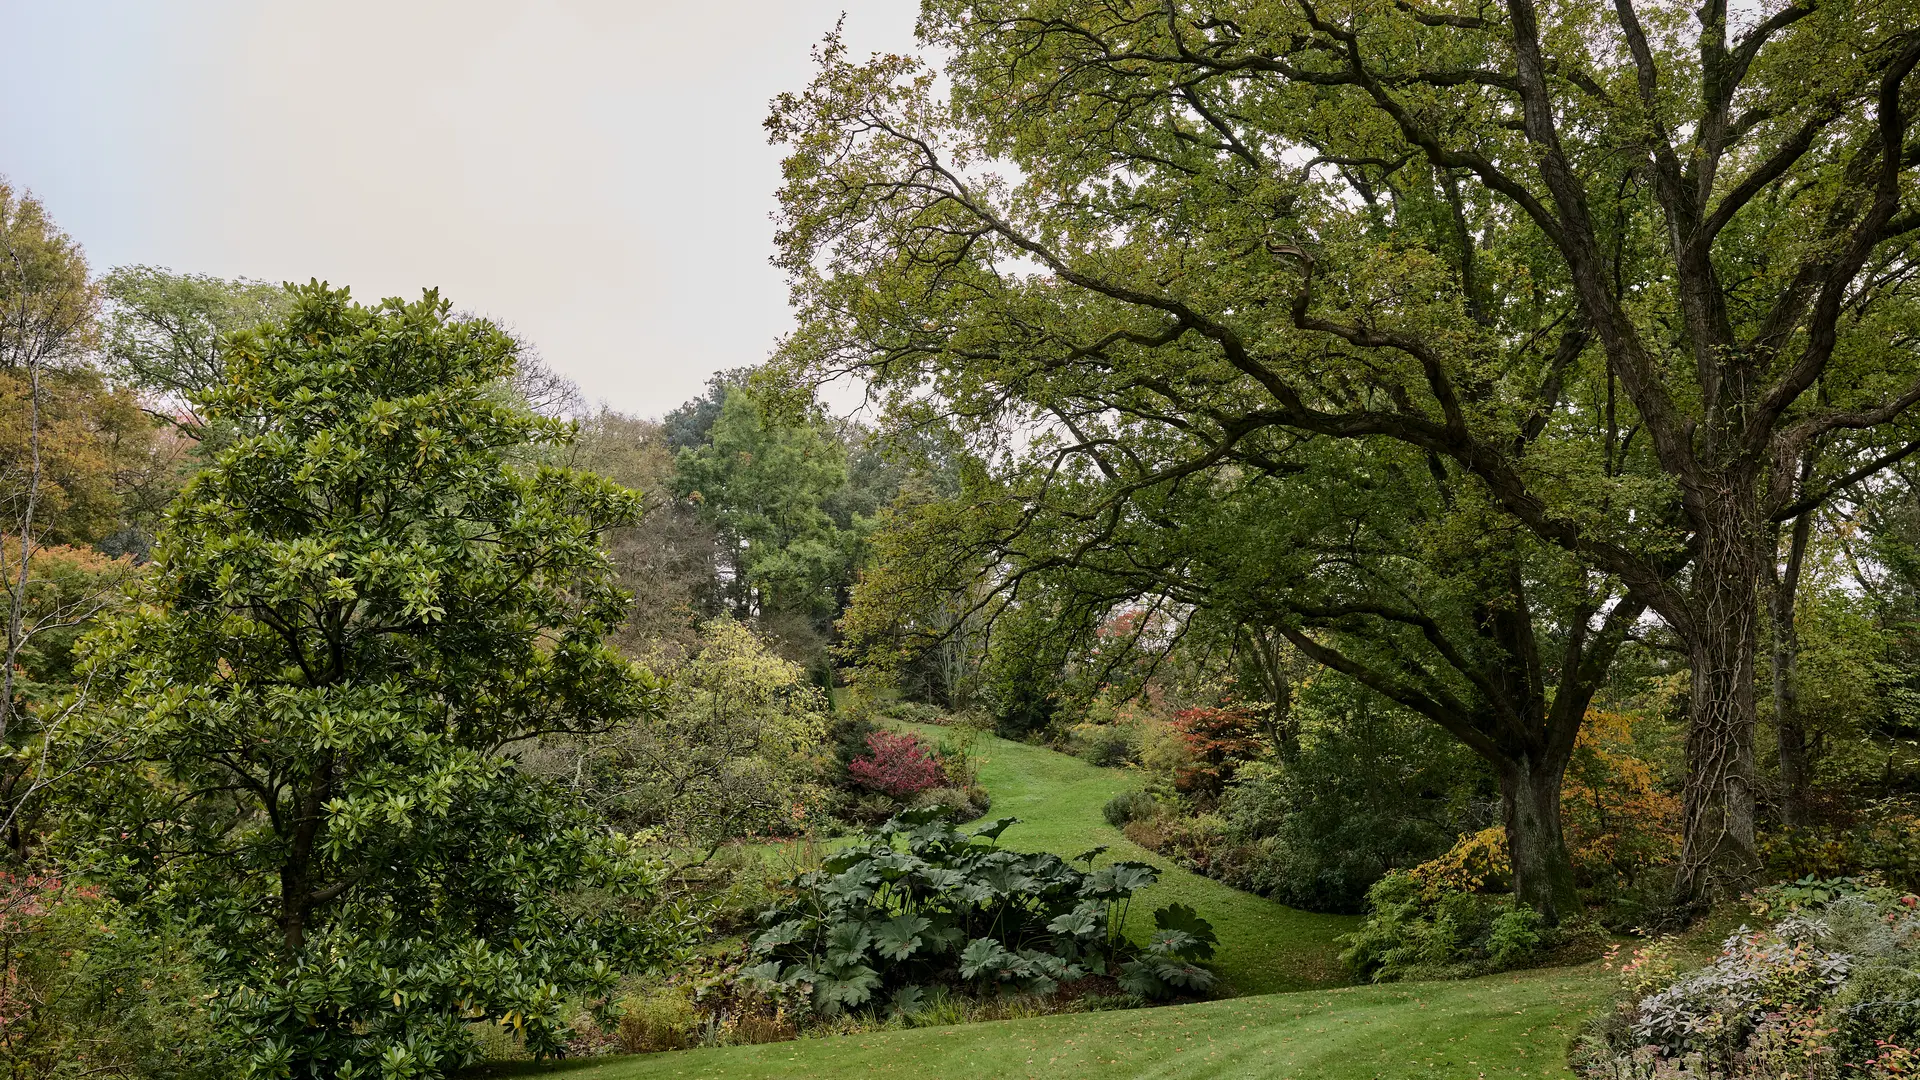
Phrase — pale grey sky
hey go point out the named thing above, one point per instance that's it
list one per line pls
(592, 174)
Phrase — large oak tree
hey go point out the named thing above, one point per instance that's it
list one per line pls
(1621, 265)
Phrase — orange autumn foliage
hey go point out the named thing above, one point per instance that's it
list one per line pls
(1618, 819)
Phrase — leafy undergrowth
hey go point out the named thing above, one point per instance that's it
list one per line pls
(1264, 947)
(1500, 1026)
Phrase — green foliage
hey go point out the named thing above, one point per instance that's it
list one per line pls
(1024, 678)
(355, 611)
(1414, 930)
(955, 907)
(763, 480)
(913, 712)
(90, 988)
(66, 589)
(1880, 1005)
(164, 331)
(49, 302)
(1129, 806)
(657, 1018)
(1106, 745)
(100, 461)
(964, 804)
(1169, 963)
(732, 753)
(1370, 790)
(1884, 839)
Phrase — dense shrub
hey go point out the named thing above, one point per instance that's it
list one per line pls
(1418, 930)
(1367, 794)
(733, 753)
(897, 765)
(1883, 839)
(913, 711)
(1881, 1006)
(1828, 991)
(877, 923)
(658, 1018)
(1203, 843)
(1323, 828)
(958, 766)
(86, 989)
(1026, 674)
(1129, 806)
(964, 804)
(870, 808)
(1106, 745)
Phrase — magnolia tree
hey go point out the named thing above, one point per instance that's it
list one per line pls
(355, 612)
(1622, 268)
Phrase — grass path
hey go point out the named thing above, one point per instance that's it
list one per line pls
(1265, 947)
(1500, 1026)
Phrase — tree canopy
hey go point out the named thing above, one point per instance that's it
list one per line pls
(1621, 267)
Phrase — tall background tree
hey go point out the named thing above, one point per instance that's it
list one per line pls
(163, 333)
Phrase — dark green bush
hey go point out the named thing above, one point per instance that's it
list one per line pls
(1415, 930)
(879, 923)
(1105, 745)
(1880, 1003)
(847, 733)
(1128, 806)
(1370, 792)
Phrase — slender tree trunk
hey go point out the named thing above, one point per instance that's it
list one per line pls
(1790, 731)
(29, 499)
(1717, 848)
(1792, 736)
(296, 873)
(1542, 865)
(1264, 653)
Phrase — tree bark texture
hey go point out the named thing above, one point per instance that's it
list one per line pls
(1718, 849)
(1542, 865)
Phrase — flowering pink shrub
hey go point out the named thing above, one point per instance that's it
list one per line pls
(897, 765)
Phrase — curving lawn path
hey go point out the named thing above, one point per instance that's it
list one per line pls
(1265, 947)
(1291, 1021)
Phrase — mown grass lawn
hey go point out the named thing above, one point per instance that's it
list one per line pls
(1501, 1026)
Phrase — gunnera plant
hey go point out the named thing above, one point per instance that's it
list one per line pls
(918, 903)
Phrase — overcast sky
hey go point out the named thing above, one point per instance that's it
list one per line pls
(592, 174)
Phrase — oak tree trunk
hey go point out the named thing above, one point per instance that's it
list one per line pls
(1717, 846)
(1542, 866)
